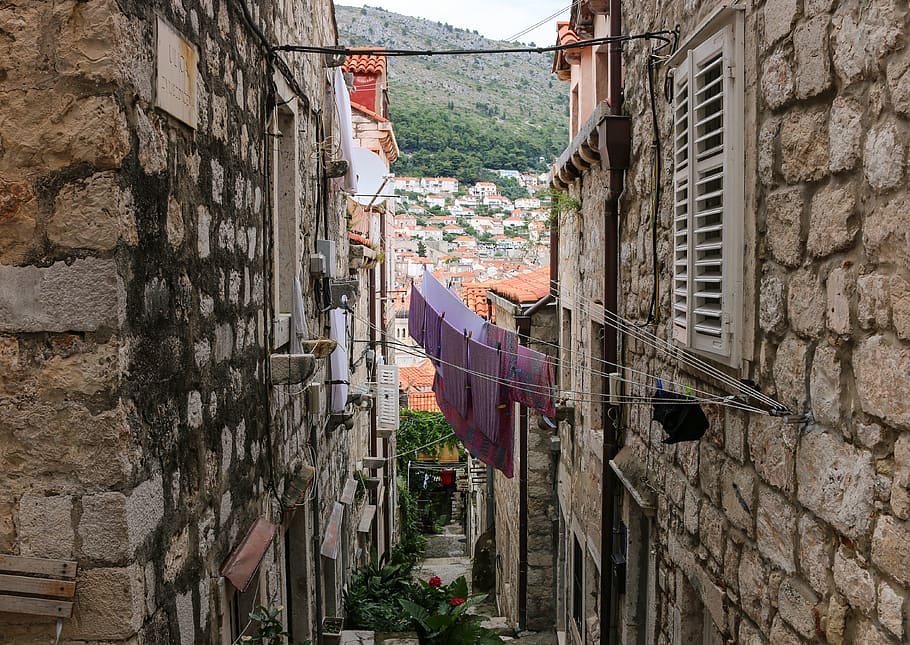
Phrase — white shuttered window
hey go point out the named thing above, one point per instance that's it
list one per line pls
(708, 196)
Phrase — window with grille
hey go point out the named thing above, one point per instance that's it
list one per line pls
(708, 196)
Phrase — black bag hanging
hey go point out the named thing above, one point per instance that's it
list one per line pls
(681, 421)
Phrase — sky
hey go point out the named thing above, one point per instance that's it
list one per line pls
(499, 19)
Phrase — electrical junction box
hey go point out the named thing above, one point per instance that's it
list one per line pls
(326, 248)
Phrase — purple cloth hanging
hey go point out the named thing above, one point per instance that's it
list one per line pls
(453, 354)
(432, 325)
(486, 388)
(498, 454)
(532, 383)
(417, 311)
(507, 342)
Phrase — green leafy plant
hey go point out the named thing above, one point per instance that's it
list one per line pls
(562, 204)
(269, 629)
(370, 599)
(420, 428)
(440, 614)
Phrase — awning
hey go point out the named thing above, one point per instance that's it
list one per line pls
(243, 561)
(631, 472)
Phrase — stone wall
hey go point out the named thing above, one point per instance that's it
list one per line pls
(541, 513)
(778, 532)
(140, 435)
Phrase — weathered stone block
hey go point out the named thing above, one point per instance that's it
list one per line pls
(144, 510)
(18, 215)
(854, 581)
(891, 548)
(738, 497)
(772, 445)
(86, 373)
(881, 369)
(813, 67)
(45, 526)
(767, 137)
(690, 510)
(103, 527)
(836, 625)
(772, 315)
(873, 307)
(804, 145)
(891, 609)
(836, 481)
(883, 158)
(841, 290)
(867, 633)
(203, 231)
(783, 635)
(806, 304)
(790, 369)
(783, 215)
(753, 587)
(862, 36)
(815, 549)
(194, 409)
(174, 226)
(93, 213)
(186, 620)
(110, 604)
(831, 224)
(899, 84)
(825, 389)
(775, 532)
(796, 604)
(900, 306)
(885, 232)
(710, 465)
(82, 296)
(711, 530)
(777, 79)
(845, 133)
(778, 17)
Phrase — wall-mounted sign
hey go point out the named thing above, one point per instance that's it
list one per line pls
(177, 85)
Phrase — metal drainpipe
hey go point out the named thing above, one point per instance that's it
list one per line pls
(383, 317)
(609, 595)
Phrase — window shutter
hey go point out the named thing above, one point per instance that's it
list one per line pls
(704, 160)
(680, 295)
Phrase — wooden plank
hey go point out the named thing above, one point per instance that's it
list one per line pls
(35, 606)
(37, 586)
(37, 566)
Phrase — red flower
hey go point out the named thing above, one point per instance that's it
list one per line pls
(435, 581)
(456, 601)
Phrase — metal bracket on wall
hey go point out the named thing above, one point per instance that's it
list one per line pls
(339, 289)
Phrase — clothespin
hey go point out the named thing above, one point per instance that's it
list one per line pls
(660, 385)
(688, 390)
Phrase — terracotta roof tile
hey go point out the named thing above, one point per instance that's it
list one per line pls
(524, 288)
(370, 113)
(474, 295)
(364, 64)
(417, 376)
(425, 401)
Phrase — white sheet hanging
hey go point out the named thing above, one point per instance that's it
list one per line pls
(456, 312)
(348, 182)
(339, 375)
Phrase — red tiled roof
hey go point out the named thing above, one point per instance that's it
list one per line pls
(425, 401)
(474, 295)
(364, 64)
(524, 288)
(370, 113)
(417, 376)
(357, 238)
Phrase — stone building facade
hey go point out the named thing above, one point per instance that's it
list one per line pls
(150, 230)
(764, 530)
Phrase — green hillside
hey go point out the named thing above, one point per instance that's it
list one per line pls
(454, 115)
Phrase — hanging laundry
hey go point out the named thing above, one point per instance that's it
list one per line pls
(486, 387)
(447, 477)
(681, 420)
(507, 342)
(447, 303)
(339, 376)
(532, 381)
(498, 454)
(417, 310)
(453, 354)
(431, 330)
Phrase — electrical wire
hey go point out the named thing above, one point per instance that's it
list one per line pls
(664, 35)
(541, 22)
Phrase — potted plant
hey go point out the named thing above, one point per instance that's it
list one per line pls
(269, 629)
(331, 630)
(440, 615)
